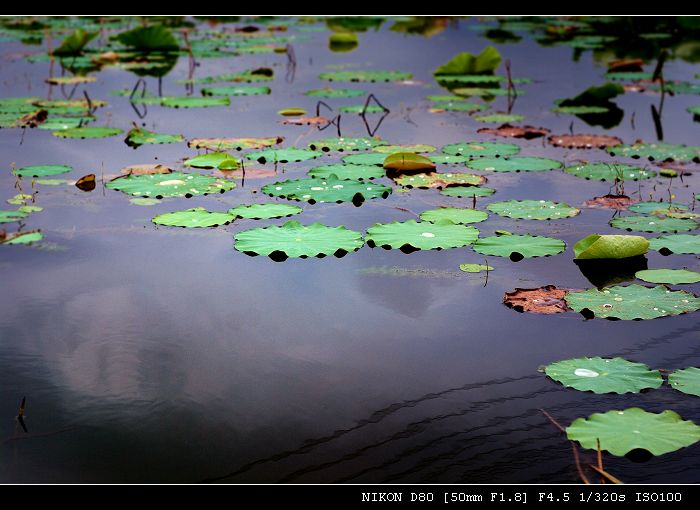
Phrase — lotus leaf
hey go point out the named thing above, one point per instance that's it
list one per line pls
(475, 268)
(370, 76)
(467, 191)
(686, 380)
(220, 160)
(281, 155)
(499, 118)
(23, 238)
(370, 158)
(673, 276)
(533, 209)
(481, 149)
(656, 207)
(610, 247)
(514, 164)
(654, 224)
(330, 190)
(87, 132)
(12, 216)
(236, 91)
(194, 102)
(42, 170)
(197, 217)
(390, 149)
(517, 247)
(676, 243)
(604, 375)
(411, 235)
(345, 144)
(224, 144)
(609, 172)
(407, 162)
(455, 215)
(139, 136)
(440, 180)
(333, 93)
(357, 172)
(174, 184)
(657, 152)
(265, 211)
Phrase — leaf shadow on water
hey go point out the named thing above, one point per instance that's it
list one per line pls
(606, 272)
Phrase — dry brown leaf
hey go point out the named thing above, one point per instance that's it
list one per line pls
(146, 169)
(584, 141)
(626, 65)
(508, 131)
(86, 183)
(618, 202)
(306, 121)
(33, 119)
(546, 300)
(250, 173)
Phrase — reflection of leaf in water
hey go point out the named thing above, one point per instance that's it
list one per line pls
(416, 272)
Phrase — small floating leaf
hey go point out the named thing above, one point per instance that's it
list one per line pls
(390, 149)
(533, 209)
(370, 158)
(174, 184)
(597, 246)
(221, 160)
(332, 190)
(359, 108)
(676, 243)
(604, 375)
(139, 136)
(42, 170)
(281, 155)
(609, 172)
(12, 216)
(236, 90)
(440, 180)
(458, 107)
(673, 276)
(369, 76)
(23, 238)
(499, 118)
(620, 432)
(632, 302)
(408, 162)
(411, 235)
(194, 102)
(345, 144)
(292, 112)
(656, 207)
(296, 240)
(508, 131)
(654, 224)
(475, 268)
(481, 149)
(455, 215)
(144, 201)
(332, 93)
(87, 132)
(584, 141)
(197, 217)
(264, 211)
(686, 380)
(517, 247)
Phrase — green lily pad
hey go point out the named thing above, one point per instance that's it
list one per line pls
(175, 184)
(470, 78)
(475, 268)
(467, 191)
(411, 235)
(673, 276)
(676, 243)
(345, 144)
(460, 216)
(656, 207)
(485, 63)
(408, 162)
(332, 190)
(197, 217)
(654, 224)
(499, 118)
(145, 202)
(355, 172)
(359, 108)
(447, 159)
(604, 375)
(695, 110)
(194, 102)
(609, 172)
(265, 211)
(281, 155)
(23, 238)
(629, 76)
(632, 302)
(686, 380)
(657, 152)
(30, 208)
(365, 76)
(236, 90)
(87, 132)
(391, 149)
(225, 144)
(440, 180)
(459, 106)
(580, 110)
(444, 98)
(620, 432)
(12, 216)
(518, 247)
(516, 164)
(55, 123)
(138, 136)
(484, 92)
(333, 93)
(221, 160)
(42, 170)
(292, 112)
(533, 209)
(298, 241)
(610, 247)
(19, 199)
(481, 149)
(370, 158)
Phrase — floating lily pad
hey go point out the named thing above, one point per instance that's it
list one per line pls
(138, 136)
(629, 76)
(444, 98)
(55, 123)
(281, 155)
(447, 159)
(391, 149)
(12, 216)
(604, 375)
(515, 164)
(517, 247)
(356, 172)
(460, 106)
(580, 110)
(220, 160)
(19, 199)
(174, 184)
(499, 118)
(545, 300)
(654, 224)
(236, 91)
(71, 80)
(609, 172)
(225, 144)
(485, 92)
(620, 432)
(455, 215)
(481, 149)
(265, 211)
(368, 76)
(296, 240)
(610, 247)
(673, 276)
(440, 180)
(145, 202)
(87, 132)
(656, 207)
(42, 170)
(632, 302)
(408, 162)
(676, 243)
(291, 112)
(194, 102)
(197, 217)
(359, 108)
(686, 380)
(470, 79)
(333, 93)
(411, 235)
(475, 268)
(467, 191)
(657, 152)
(533, 209)
(23, 238)
(370, 158)
(330, 190)
(345, 144)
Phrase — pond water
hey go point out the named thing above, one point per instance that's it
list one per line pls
(160, 354)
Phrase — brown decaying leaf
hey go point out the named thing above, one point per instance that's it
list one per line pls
(106, 57)
(250, 173)
(146, 169)
(305, 121)
(32, 120)
(86, 183)
(584, 141)
(508, 131)
(546, 300)
(224, 143)
(626, 65)
(618, 202)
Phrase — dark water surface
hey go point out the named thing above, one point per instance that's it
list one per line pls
(155, 354)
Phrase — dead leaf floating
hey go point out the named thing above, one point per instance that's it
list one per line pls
(584, 141)
(545, 300)
(86, 183)
(509, 131)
